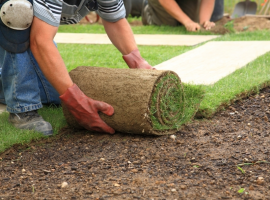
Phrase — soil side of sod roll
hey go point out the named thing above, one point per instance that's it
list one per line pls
(147, 102)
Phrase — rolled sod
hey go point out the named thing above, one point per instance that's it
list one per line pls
(147, 102)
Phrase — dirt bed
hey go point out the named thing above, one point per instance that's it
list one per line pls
(227, 25)
(200, 163)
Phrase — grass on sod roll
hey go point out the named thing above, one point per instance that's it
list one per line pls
(245, 80)
(167, 103)
(173, 104)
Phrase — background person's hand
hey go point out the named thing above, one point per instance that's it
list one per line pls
(85, 110)
(192, 26)
(208, 25)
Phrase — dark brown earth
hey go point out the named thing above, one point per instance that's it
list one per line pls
(200, 163)
(241, 24)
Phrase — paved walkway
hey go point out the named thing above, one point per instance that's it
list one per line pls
(143, 39)
(214, 60)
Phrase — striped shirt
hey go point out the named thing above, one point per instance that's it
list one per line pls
(56, 12)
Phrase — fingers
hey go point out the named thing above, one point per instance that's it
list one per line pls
(144, 65)
(98, 126)
(208, 25)
(197, 27)
(103, 128)
(104, 107)
(193, 27)
(101, 125)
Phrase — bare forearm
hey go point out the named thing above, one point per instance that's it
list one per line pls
(206, 10)
(52, 66)
(175, 11)
(121, 35)
(48, 56)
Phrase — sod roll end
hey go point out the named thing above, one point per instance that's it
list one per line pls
(147, 102)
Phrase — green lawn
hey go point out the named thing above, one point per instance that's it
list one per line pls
(244, 81)
(96, 28)
(222, 93)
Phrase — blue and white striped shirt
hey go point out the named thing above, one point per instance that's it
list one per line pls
(56, 12)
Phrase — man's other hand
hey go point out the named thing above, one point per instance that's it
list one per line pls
(85, 110)
(134, 60)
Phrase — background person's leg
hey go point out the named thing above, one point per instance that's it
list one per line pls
(155, 14)
(218, 11)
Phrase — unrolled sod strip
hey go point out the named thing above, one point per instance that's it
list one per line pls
(145, 101)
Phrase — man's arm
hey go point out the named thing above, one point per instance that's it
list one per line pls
(122, 37)
(83, 108)
(206, 10)
(48, 56)
(176, 12)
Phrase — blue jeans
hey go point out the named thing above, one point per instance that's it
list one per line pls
(23, 87)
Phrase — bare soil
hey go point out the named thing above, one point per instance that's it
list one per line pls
(241, 24)
(200, 162)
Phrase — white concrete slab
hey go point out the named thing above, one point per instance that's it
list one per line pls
(2, 108)
(143, 39)
(214, 60)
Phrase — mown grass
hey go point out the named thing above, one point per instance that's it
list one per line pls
(245, 80)
(98, 29)
(240, 84)
(10, 135)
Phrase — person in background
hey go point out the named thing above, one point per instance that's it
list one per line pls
(193, 14)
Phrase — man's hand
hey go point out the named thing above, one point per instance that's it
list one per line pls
(85, 110)
(192, 26)
(135, 61)
(208, 25)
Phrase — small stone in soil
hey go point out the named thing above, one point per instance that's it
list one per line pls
(173, 137)
(183, 187)
(64, 184)
(260, 180)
